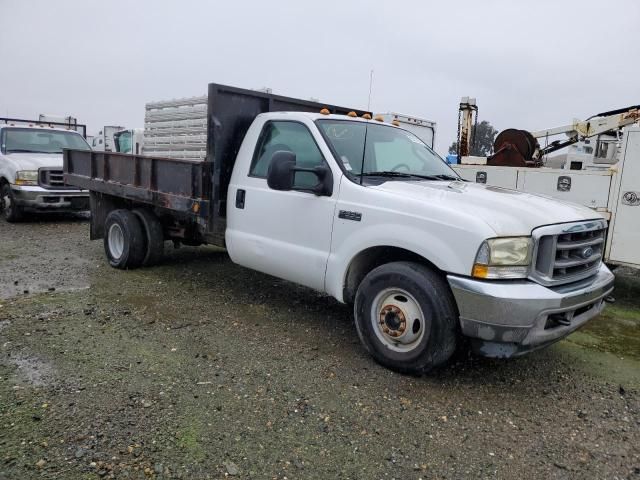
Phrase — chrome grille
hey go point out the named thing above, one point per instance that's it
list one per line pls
(568, 252)
(50, 178)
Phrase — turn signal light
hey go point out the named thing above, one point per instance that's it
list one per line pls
(480, 271)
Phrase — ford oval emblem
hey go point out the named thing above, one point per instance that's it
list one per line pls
(586, 252)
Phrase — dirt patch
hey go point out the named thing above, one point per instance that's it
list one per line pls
(59, 252)
(182, 371)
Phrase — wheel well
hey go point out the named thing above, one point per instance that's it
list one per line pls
(372, 258)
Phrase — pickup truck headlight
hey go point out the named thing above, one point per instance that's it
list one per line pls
(27, 177)
(503, 258)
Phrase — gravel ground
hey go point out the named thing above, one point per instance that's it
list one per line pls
(201, 369)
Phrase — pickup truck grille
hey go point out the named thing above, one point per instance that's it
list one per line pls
(50, 178)
(568, 252)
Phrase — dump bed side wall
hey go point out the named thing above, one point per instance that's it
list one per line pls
(170, 184)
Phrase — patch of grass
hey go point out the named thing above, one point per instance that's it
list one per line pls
(8, 256)
(188, 441)
(623, 312)
(616, 330)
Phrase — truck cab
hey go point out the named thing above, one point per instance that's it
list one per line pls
(129, 141)
(523, 270)
(31, 177)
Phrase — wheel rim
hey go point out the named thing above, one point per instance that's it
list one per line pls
(397, 319)
(116, 241)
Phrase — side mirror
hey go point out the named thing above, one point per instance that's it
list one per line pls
(282, 172)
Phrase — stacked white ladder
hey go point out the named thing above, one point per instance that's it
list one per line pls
(176, 128)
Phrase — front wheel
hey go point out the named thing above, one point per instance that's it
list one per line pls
(10, 210)
(406, 317)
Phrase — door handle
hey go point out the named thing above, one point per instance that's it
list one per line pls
(240, 195)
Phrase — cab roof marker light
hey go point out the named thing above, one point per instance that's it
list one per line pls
(366, 116)
(352, 114)
(325, 111)
(379, 118)
(396, 123)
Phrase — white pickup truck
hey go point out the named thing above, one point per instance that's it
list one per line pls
(366, 212)
(31, 178)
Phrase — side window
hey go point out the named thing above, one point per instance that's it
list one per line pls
(289, 136)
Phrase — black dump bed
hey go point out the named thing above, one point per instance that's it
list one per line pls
(194, 192)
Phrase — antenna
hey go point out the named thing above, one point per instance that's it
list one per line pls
(370, 88)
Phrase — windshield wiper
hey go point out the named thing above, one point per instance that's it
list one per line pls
(25, 150)
(447, 177)
(389, 173)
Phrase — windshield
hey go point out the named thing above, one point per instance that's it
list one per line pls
(15, 140)
(389, 151)
(123, 141)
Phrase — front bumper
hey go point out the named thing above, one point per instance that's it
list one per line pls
(41, 199)
(506, 319)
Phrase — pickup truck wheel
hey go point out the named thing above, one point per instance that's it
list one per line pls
(406, 317)
(10, 211)
(124, 241)
(154, 235)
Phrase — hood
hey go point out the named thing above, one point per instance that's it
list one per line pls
(507, 212)
(34, 161)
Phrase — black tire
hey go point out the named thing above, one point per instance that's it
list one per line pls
(430, 293)
(124, 240)
(10, 211)
(154, 234)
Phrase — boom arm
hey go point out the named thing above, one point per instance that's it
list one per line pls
(596, 125)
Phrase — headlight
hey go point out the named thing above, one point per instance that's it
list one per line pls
(503, 258)
(27, 177)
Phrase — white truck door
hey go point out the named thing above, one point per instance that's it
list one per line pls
(625, 231)
(283, 233)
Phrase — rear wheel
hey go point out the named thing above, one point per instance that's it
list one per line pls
(406, 317)
(124, 241)
(154, 236)
(10, 210)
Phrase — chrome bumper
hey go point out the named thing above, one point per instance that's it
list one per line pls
(41, 199)
(507, 319)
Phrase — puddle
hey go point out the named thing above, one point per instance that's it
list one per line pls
(32, 370)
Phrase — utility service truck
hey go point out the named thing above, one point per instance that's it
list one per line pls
(363, 210)
(600, 170)
(31, 178)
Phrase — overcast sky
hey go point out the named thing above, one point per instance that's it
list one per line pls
(531, 64)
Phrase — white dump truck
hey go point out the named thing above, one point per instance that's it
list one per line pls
(328, 198)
